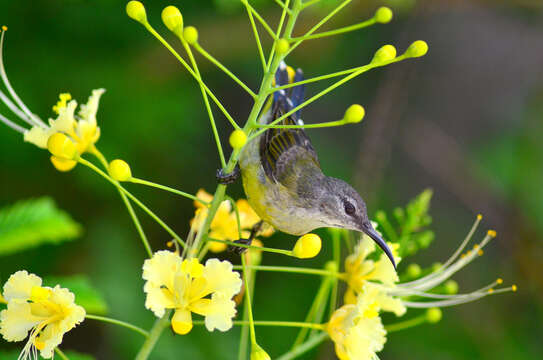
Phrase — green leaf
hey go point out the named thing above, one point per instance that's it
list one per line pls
(86, 295)
(31, 223)
(72, 355)
(411, 221)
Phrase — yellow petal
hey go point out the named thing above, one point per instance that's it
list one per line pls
(19, 285)
(38, 136)
(17, 320)
(182, 322)
(219, 313)
(88, 111)
(221, 278)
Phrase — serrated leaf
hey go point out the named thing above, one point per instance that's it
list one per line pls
(31, 223)
(86, 295)
(72, 355)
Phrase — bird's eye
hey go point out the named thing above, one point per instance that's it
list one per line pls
(349, 208)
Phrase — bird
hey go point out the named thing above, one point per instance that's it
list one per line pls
(283, 179)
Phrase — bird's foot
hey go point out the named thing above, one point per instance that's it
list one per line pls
(238, 249)
(230, 178)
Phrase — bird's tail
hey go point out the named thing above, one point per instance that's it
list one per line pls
(285, 100)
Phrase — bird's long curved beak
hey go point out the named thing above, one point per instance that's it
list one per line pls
(372, 233)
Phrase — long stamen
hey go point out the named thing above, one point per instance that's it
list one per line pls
(452, 258)
(409, 292)
(12, 125)
(433, 281)
(33, 118)
(6, 100)
(457, 301)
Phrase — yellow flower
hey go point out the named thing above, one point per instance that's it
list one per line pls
(356, 329)
(225, 225)
(46, 313)
(361, 270)
(184, 285)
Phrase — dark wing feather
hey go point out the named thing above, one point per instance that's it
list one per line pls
(281, 150)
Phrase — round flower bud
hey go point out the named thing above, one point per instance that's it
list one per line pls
(182, 322)
(413, 271)
(417, 49)
(307, 246)
(190, 34)
(433, 315)
(257, 353)
(63, 164)
(383, 15)
(436, 266)
(282, 47)
(61, 146)
(119, 170)
(136, 11)
(172, 18)
(385, 53)
(238, 138)
(451, 287)
(354, 114)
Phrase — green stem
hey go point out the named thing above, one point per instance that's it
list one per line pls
(194, 75)
(296, 324)
(336, 31)
(248, 299)
(322, 93)
(402, 325)
(118, 322)
(320, 23)
(336, 250)
(260, 19)
(134, 199)
(322, 293)
(257, 37)
(272, 250)
(167, 188)
(129, 207)
(154, 335)
(309, 3)
(61, 354)
(137, 223)
(305, 126)
(284, 6)
(208, 56)
(295, 270)
(303, 348)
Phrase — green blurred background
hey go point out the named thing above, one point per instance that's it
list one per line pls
(466, 120)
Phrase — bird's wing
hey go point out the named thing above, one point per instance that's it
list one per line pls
(282, 151)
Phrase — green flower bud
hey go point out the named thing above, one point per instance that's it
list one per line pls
(385, 53)
(172, 18)
(383, 15)
(238, 138)
(119, 170)
(451, 287)
(433, 315)
(413, 271)
(190, 34)
(417, 49)
(354, 114)
(307, 246)
(136, 11)
(257, 353)
(282, 46)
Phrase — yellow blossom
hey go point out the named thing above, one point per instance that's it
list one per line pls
(43, 314)
(356, 329)
(361, 270)
(190, 287)
(225, 225)
(81, 130)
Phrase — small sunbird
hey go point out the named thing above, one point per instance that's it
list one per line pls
(283, 179)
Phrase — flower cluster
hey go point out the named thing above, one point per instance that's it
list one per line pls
(41, 313)
(225, 223)
(184, 285)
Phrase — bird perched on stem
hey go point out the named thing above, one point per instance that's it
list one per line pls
(283, 179)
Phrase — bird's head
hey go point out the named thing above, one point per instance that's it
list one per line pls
(342, 207)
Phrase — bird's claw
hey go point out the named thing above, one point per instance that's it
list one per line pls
(238, 249)
(228, 178)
